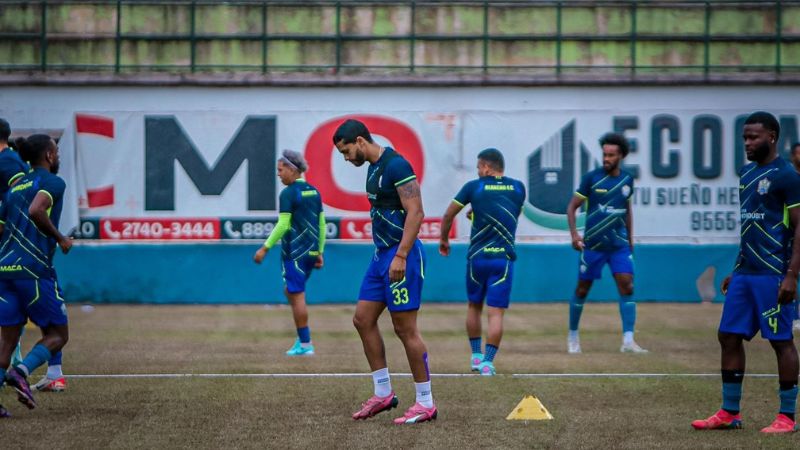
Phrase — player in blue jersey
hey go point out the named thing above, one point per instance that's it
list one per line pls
(28, 284)
(301, 230)
(759, 295)
(607, 238)
(12, 168)
(496, 204)
(394, 277)
(795, 158)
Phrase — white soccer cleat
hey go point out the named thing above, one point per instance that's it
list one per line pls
(797, 325)
(573, 346)
(632, 347)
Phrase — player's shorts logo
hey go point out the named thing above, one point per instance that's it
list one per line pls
(763, 186)
(552, 178)
(583, 268)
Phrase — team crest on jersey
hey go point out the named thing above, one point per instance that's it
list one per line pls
(626, 190)
(763, 186)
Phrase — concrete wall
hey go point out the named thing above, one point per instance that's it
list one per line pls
(84, 34)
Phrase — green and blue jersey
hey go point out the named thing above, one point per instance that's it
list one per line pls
(26, 252)
(12, 167)
(766, 194)
(388, 216)
(608, 202)
(301, 204)
(496, 206)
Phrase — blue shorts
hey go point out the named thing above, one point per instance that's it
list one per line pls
(40, 300)
(751, 304)
(404, 295)
(490, 278)
(296, 272)
(591, 263)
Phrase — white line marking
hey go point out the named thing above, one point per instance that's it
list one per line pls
(408, 375)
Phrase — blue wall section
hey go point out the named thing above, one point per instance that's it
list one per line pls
(225, 273)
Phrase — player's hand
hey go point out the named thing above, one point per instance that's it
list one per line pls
(444, 248)
(320, 262)
(65, 244)
(724, 286)
(788, 289)
(577, 242)
(397, 269)
(260, 254)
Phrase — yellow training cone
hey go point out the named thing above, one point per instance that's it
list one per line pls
(530, 408)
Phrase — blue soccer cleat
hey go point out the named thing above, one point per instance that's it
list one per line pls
(486, 369)
(298, 349)
(475, 361)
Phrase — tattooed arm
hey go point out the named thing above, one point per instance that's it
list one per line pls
(411, 199)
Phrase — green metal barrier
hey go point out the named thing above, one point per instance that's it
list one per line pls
(402, 37)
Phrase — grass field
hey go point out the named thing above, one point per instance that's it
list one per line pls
(293, 412)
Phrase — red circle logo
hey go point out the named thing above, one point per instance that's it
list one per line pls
(320, 145)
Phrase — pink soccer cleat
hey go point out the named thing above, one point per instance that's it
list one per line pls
(51, 385)
(417, 414)
(721, 420)
(375, 405)
(782, 424)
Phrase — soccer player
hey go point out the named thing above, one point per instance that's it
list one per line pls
(795, 157)
(12, 168)
(28, 286)
(607, 239)
(496, 204)
(760, 293)
(395, 274)
(301, 230)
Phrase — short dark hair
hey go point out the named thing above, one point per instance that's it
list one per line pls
(5, 130)
(766, 119)
(349, 131)
(33, 148)
(493, 158)
(618, 140)
(795, 147)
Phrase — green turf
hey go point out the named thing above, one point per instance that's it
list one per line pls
(315, 412)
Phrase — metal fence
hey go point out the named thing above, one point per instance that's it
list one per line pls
(719, 36)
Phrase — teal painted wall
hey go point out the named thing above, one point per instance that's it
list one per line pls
(223, 273)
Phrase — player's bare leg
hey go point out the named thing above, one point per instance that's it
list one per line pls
(474, 333)
(405, 326)
(303, 345)
(366, 322)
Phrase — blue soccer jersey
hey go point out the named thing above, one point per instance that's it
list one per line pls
(496, 205)
(304, 203)
(608, 199)
(388, 216)
(12, 167)
(766, 192)
(26, 252)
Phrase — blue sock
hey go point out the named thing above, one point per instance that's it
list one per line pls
(491, 350)
(575, 310)
(627, 310)
(304, 334)
(2, 376)
(55, 360)
(38, 355)
(475, 344)
(732, 390)
(788, 396)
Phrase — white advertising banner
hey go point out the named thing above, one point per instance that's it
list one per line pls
(199, 163)
(206, 165)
